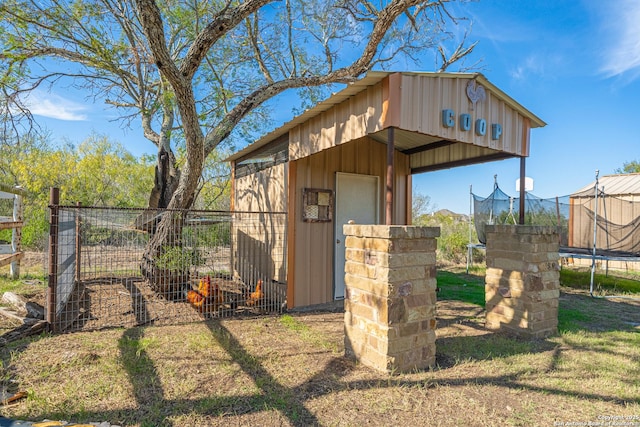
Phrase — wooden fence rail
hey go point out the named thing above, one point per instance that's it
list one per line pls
(11, 254)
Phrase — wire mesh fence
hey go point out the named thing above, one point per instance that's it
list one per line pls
(122, 267)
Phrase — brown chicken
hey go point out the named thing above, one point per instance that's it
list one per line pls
(195, 298)
(204, 287)
(254, 297)
(208, 296)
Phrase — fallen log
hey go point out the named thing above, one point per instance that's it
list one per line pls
(23, 332)
(15, 316)
(32, 309)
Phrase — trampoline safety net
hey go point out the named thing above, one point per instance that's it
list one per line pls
(617, 219)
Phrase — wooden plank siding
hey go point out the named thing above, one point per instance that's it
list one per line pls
(312, 264)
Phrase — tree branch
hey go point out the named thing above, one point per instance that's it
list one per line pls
(226, 20)
(385, 18)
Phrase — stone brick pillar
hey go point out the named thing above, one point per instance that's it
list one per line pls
(522, 283)
(390, 296)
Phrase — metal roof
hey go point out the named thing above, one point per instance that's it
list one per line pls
(619, 184)
(370, 79)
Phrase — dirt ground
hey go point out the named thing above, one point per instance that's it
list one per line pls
(290, 370)
(101, 301)
(274, 371)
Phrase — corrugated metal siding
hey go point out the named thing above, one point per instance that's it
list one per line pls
(265, 192)
(451, 153)
(424, 97)
(314, 242)
(621, 184)
(390, 82)
(352, 119)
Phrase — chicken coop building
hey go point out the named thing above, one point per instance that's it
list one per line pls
(351, 158)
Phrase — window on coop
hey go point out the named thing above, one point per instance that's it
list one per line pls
(270, 155)
(318, 205)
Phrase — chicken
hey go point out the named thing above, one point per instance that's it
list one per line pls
(204, 286)
(254, 297)
(195, 298)
(208, 296)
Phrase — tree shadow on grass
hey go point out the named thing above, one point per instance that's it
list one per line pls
(273, 395)
(290, 401)
(153, 408)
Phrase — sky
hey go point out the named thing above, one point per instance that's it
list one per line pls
(573, 63)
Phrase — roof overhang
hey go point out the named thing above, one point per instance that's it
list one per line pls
(370, 79)
(428, 153)
(429, 147)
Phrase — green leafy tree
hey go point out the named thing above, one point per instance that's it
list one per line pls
(99, 172)
(629, 167)
(106, 174)
(454, 236)
(200, 72)
(420, 207)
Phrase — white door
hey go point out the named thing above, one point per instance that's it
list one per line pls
(357, 200)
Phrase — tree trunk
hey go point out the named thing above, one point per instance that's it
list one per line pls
(162, 262)
(166, 180)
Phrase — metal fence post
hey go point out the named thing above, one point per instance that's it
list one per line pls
(78, 242)
(54, 200)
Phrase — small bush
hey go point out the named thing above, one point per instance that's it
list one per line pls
(454, 237)
(177, 258)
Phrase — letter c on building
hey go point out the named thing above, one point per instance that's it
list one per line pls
(448, 118)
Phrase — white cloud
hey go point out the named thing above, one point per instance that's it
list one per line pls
(621, 54)
(55, 107)
(532, 65)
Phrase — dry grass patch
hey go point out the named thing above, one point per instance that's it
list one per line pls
(290, 370)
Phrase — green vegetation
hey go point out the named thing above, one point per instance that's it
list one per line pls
(454, 236)
(461, 287)
(584, 313)
(25, 285)
(306, 333)
(291, 369)
(98, 172)
(470, 287)
(571, 320)
(603, 283)
(632, 166)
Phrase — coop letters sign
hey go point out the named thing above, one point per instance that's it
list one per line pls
(466, 124)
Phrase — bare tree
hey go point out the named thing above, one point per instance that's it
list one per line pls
(197, 71)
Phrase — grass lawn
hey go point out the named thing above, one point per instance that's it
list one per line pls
(290, 370)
